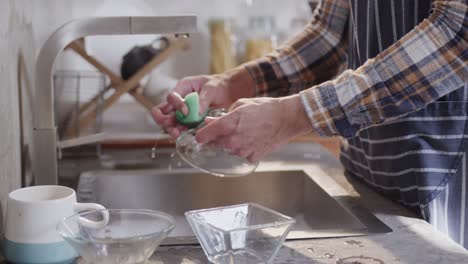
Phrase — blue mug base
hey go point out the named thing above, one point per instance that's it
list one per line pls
(62, 262)
(51, 253)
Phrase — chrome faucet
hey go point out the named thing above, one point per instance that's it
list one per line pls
(45, 139)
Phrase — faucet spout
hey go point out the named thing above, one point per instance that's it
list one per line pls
(45, 135)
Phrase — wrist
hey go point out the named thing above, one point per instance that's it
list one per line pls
(297, 120)
(240, 83)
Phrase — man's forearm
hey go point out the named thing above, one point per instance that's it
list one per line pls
(426, 64)
(314, 55)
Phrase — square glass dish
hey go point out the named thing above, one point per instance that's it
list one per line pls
(245, 233)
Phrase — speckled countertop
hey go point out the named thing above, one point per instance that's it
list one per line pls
(412, 240)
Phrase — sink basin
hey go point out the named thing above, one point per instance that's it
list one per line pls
(292, 193)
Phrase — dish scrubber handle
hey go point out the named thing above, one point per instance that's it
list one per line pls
(193, 118)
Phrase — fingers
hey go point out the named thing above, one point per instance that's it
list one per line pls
(235, 105)
(173, 132)
(233, 144)
(209, 120)
(218, 127)
(167, 122)
(229, 143)
(158, 115)
(236, 147)
(205, 99)
(177, 102)
(259, 154)
(165, 108)
(243, 153)
(254, 157)
(191, 84)
(238, 103)
(164, 120)
(185, 86)
(164, 113)
(176, 130)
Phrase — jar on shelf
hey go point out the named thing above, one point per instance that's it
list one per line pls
(223, 45)
(261, 37)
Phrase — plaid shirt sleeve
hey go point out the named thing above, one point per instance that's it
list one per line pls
(315, 55)
(426, 64)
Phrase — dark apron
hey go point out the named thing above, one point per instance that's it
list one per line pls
(418, 160)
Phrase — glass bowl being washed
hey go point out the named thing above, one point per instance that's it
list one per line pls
(212, 159)
(208, 158)
(240, 234)
(130, 236)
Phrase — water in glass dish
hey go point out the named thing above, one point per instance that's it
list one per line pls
(136, 252)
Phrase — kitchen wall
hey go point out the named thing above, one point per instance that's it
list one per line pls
(26, 24)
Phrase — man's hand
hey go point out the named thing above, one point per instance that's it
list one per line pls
(254, 128)
(215, 91)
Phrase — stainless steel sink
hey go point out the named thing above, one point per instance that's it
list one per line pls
(293, 193)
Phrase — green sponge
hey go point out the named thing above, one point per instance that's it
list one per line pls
(193, 119)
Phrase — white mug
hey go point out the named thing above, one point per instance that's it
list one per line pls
(32, 215)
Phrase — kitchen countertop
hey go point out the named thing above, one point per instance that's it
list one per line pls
(412, 240)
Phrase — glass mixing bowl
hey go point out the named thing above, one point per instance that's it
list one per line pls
(130, 236)
(212, 159)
